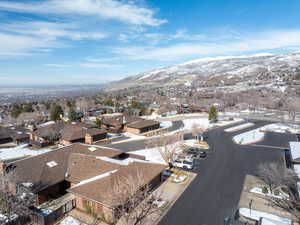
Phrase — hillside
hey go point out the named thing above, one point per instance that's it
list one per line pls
(278, 72)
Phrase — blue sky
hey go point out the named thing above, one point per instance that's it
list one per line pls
(95, 41)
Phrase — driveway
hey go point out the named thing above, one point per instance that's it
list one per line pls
(215, 192)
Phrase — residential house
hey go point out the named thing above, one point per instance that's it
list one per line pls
(131, 124)
(46, 134)
(77, 176)
(80, 132)
(197, 109)
(142, 126)
(14, 134)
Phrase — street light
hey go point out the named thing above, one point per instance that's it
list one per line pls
(250, 205)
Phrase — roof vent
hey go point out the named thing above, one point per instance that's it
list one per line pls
(52, 164)
(92, 149)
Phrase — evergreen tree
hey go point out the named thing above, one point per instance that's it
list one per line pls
(72, 115)
(16, 111)
(55, 113)
(213, 113)
(98, 122)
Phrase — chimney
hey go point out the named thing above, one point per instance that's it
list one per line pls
(2, 167)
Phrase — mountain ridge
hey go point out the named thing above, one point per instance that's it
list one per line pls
(231, 70)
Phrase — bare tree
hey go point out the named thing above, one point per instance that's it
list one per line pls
(49, 135)
(275, 176)
(14, 205)
(167, 145)
(197, 131)
(130, 196)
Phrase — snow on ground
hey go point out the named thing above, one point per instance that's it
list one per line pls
(70, 221)
(239, 127)
(282, 128)
(166, 124)
(204, 122)
(188, 123)
(258, 134)
(20, 151)
(151, 154)
(249, 137)
(256, 215)
(257, 190)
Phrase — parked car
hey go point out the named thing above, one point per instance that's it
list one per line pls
(213, 121)
(196, 152)
(183, 163)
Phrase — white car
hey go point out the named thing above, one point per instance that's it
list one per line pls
(183, 163)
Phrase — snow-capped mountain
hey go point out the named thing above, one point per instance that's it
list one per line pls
(221, 71)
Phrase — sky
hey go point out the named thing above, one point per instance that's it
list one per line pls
(95, 41)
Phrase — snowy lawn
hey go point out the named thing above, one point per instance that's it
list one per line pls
(249, 137)
(257, 190)
(256, 215)
(239, 127)
(70, 221)
(204, 122)
(20, 151)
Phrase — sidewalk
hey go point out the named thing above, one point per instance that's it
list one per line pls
(169, 192)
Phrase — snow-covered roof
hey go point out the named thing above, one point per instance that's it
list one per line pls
(19, 152)
(100, 176)
(124, 162)
(295, 150)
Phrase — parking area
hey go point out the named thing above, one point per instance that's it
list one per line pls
(215, 192)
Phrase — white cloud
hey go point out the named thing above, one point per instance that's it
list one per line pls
(100, 65)
(269, 40)
(20, 45)
(57, 65)
(51, 30)
(106, 9)
(100, 60)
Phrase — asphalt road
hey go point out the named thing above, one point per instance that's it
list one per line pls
(215, 192)
(140, 144)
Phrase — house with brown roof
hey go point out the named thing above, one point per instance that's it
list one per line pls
(142, 126)
(14, 134)
(46, 134)
(83, 133)
(131, 124)
(76, 176)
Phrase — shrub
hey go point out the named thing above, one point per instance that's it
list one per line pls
(264, 190)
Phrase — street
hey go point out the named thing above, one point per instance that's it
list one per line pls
(215, 192)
